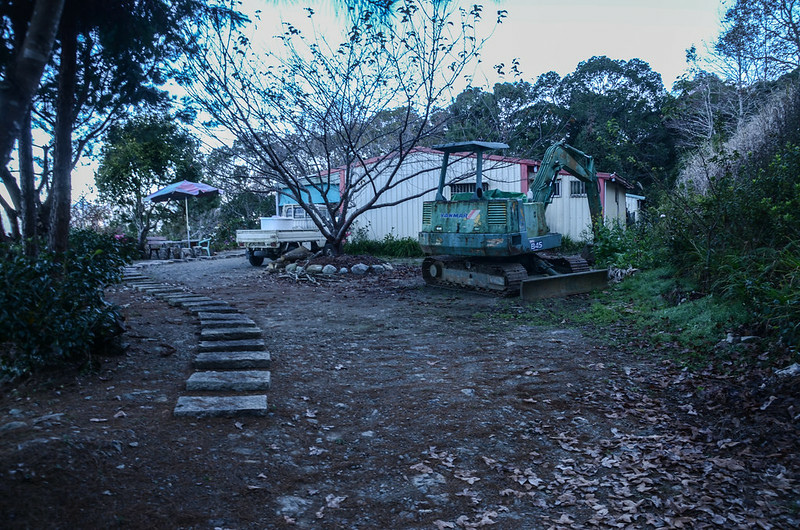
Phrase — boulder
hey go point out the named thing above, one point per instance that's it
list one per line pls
(377, 268)
(343, 270)
(314, 269)
(329, 269)
(291, 267)
(359, 269)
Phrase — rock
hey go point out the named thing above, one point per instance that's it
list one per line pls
(49, 419)
(343, 270)
(291, 505)
(427, 480)
(13, 426)
(388, 267)
(359, 269)
(750, 338)
(329, 269)
(377, 268)
(790, 371)
(291, 267)
(299, 253)
(314, 269)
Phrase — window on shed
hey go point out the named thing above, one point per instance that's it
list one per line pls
(557, 188)
(577, 188)
(466, 187)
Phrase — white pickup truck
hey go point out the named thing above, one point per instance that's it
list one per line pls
(279, 235)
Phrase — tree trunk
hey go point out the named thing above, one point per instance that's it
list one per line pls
(27, 178)
(24, 75)
(62, 156)
(11, 213)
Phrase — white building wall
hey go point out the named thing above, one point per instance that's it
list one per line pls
(614, 210)
(568, 215)
(405, 219)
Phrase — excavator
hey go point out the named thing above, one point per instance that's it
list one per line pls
(498, 242)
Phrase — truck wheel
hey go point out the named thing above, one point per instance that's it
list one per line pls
(255, 261)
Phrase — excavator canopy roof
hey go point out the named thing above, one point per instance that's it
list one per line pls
(459, 147)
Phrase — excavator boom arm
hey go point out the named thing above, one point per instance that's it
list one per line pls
(561, 156)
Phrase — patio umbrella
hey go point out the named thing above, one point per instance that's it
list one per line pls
(183, 190)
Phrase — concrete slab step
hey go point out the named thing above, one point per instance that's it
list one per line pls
(221, 308)
(200, 304)
(186, 299)
(229, 381)
(141, 286)
(242, 322)
(134, 277)
(231, 345)
(230, 333)
(215, 315)
(221, 406)
(232, 360)
(160, 292)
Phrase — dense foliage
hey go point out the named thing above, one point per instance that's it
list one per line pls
(52, 310)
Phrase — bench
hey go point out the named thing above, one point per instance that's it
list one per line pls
(155, 244)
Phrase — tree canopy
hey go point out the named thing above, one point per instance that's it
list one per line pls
(139, 156)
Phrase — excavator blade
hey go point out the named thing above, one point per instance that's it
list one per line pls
(563, 284)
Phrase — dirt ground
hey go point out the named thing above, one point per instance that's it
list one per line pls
(394, 405)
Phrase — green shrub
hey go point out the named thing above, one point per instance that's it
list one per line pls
(622, 247)
(740, 237)
(389, 246)
(52, 311)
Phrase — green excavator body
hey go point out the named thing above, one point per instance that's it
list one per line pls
(497, 241)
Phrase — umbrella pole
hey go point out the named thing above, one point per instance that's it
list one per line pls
(188, 236)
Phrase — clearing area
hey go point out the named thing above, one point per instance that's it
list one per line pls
(395, 405)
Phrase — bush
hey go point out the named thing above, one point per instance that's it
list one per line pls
(52, 311)
(740, 238)
(389, 246)
(616, 246)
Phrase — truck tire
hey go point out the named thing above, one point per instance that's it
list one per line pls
(255, 261)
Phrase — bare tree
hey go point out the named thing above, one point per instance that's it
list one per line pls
(314, 115)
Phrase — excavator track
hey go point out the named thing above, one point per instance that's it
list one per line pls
(565, 264)
(499, 279)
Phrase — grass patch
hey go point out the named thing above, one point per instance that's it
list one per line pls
(652, 311)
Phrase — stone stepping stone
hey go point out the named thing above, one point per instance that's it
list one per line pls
(230, 333)
(213, 315)
(231, 345)
(221, 308)
(221, 406)
(161, 292)
(243, 322)
(207, 302)
(180, 300)
(141, 286)
(232, 360)
(230, 381)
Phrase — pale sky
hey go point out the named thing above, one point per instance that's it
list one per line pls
(558, 34)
